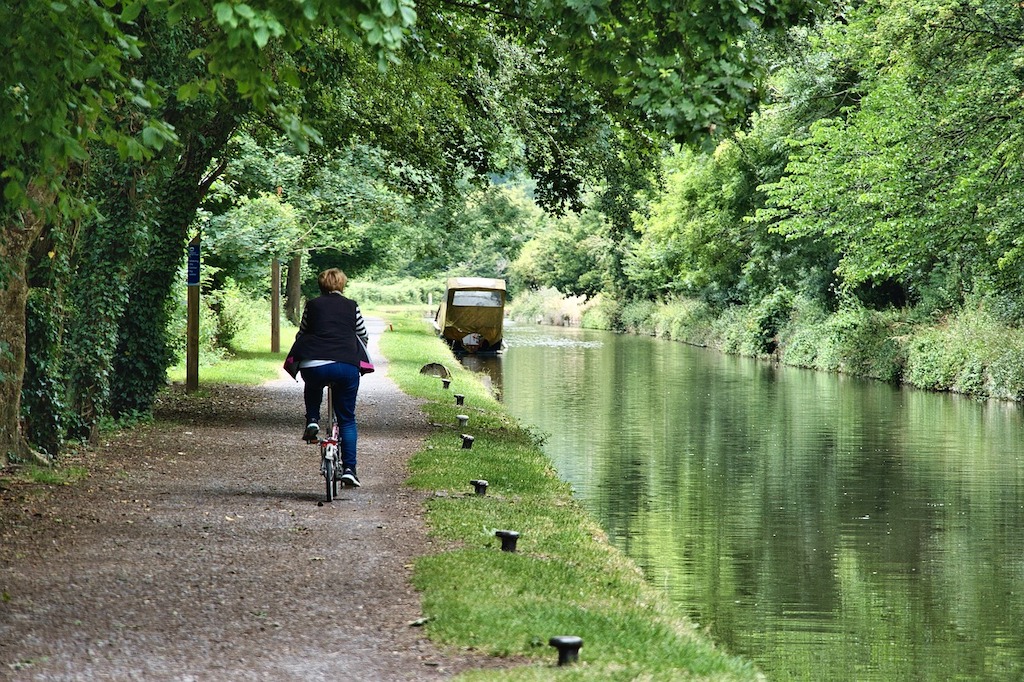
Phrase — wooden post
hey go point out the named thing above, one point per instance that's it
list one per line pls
(192, 327)
(275, 306)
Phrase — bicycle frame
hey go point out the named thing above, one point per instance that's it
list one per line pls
(332, 417)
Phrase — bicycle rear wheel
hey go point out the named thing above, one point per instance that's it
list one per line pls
(330, 462)
(332, 486)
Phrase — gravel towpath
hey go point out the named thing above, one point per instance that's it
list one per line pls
(196, 550)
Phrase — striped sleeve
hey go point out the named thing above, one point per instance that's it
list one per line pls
(361, 326)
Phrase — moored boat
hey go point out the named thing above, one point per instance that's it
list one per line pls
(472, 315)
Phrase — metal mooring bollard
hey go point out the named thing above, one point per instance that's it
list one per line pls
(446, 382)
(508, 539)
(480, 485)
(568, 648)
(467, 441)
(463, 419)
(459, 398)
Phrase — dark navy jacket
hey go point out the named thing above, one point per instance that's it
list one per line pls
(328, 330)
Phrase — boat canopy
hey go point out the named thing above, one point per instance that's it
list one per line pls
(472, 313)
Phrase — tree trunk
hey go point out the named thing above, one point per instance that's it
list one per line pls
(293, 291)
(108, 250)
(144, 351)
(19, 233)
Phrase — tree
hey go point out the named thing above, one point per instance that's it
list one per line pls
(693, 243)
(570, 253)
(690, 66)
(918, 179)
(63, 68)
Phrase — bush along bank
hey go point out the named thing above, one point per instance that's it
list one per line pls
(968, 351)
(563, 578)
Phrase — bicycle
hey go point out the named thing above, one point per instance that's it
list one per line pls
(330, 451)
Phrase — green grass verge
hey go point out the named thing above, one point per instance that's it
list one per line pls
(249, 363)
(564, 578)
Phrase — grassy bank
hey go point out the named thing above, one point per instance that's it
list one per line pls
(248, 360)
(564, 578)
(968, 351)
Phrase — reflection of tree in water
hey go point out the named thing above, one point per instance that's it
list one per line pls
(808, 520)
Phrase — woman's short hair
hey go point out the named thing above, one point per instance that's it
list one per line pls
(332, 280)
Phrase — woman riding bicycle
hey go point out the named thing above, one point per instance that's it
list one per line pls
(328, 348)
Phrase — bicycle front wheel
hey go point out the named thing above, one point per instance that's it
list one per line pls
(329, 478)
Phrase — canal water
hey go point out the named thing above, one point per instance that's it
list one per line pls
(826, 527)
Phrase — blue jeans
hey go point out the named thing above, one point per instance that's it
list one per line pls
(345, 379)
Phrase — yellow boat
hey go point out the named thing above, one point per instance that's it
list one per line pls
(472, 314)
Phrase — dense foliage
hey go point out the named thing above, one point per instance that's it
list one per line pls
(865, 220)
(883, 168)
(117, 119)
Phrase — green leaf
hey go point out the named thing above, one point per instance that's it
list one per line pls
(289, 76)
(367, 22)
(131, 12)
(224, 13)
(13, 192)
(188, 91)
(408, 14)
(153, 138)
(175, 12)
(74, 150)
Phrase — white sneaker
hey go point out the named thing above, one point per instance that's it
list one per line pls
(349, 478)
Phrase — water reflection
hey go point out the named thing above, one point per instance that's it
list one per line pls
(488, 370)
(826, 527)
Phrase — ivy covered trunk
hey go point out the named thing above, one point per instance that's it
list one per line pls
(109, 250)
(144, 350)
(20, 232)
(43, 407)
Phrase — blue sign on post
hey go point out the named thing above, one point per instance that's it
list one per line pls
(193, 263)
